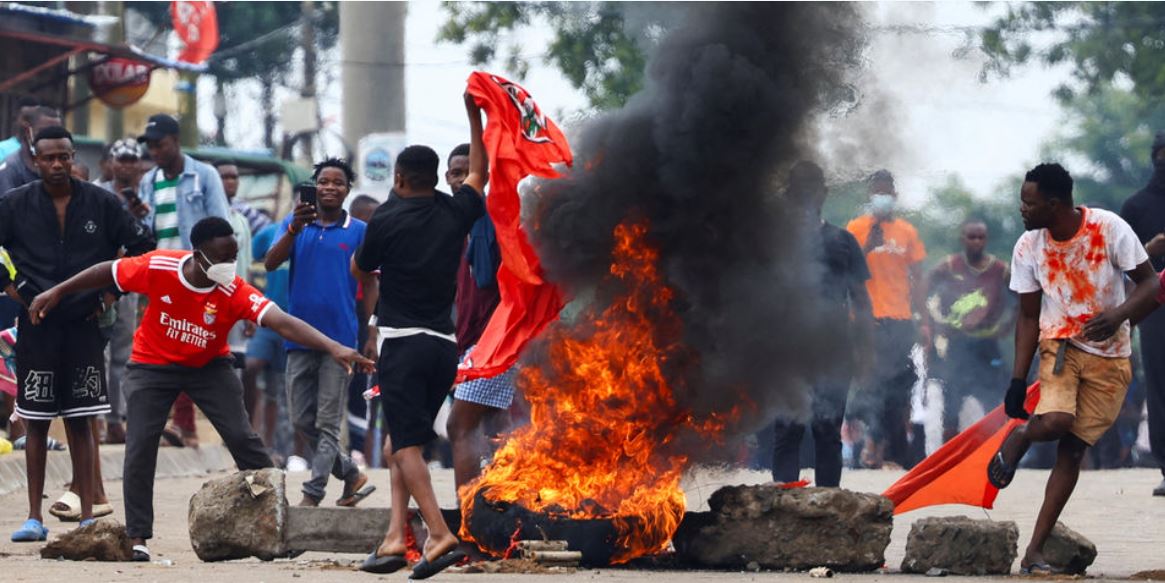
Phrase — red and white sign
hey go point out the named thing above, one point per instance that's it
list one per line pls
(197, 25)
(119, 82)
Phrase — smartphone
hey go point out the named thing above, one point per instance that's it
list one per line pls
(307, 194)
(131, 197)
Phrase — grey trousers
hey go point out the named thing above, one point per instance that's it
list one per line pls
(150, 392)
(117, 354)
(317, 393)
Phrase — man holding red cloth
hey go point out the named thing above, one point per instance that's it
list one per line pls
(1068, 269)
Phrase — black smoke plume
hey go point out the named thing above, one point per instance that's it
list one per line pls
(729, 103)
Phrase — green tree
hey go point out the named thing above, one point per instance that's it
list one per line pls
(591, 45)
(1100, 42)
(257, 40)
(1112, 129)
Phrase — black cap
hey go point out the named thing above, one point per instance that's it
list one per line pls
(159, 126)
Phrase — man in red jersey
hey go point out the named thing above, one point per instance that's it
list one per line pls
(194, 300)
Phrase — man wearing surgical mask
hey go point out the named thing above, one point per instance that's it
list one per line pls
(894, 254)
(195, 298)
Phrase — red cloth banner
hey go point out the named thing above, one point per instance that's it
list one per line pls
(197, 25)
(957, 472)
(521, 142)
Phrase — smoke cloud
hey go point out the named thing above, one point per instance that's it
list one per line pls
(732, 99)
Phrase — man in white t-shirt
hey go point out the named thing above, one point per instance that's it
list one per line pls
(1068, 269)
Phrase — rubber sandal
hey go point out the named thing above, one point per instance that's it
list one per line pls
(68, 507)
(1037, 570)
(355, 499)
(172, 437)
(355, 492)
(999, 474)
(86, 522)
(426, 569)
(383, 565)
(141, 554)
(31, 531)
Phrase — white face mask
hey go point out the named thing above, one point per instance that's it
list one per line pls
(220, 273)
(882, 205)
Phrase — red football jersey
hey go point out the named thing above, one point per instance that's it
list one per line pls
(183, 324)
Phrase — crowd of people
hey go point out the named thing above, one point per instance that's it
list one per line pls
(135, 303)
(1079, 279)
(356, 293)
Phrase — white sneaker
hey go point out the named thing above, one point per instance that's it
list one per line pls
(297, 464)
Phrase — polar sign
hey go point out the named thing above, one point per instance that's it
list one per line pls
(119, 82)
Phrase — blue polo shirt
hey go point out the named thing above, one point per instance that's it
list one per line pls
(321, 289)
(276, 287)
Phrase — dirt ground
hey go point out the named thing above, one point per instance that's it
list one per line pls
(1113, 508)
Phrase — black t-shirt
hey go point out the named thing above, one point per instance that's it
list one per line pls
(844, 265)
(416, 244)
(1145, 213)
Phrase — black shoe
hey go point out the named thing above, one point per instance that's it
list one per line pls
(1160, 489)
(141, 554)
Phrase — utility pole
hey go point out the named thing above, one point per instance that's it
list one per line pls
(372, 44)
(114, 120)
(80, 115)
(308, 39)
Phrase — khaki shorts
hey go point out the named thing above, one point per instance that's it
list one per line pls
(1090, 387)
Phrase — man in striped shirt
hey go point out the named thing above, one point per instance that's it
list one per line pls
(180, 191)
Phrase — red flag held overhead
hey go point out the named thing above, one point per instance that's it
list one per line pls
(521, 142)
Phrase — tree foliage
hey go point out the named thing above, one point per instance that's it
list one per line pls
(1112, 130)
(591, 45)
(1102, 42)
(266, 32)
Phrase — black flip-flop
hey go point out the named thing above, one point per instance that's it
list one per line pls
(355, 498)
(426, 569)
(999, 474)
(383, 565)
(172, 437)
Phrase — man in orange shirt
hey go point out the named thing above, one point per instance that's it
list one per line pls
(894, 254)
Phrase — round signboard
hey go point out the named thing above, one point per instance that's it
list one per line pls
(119, 82)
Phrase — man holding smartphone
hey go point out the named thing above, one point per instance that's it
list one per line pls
(320, 238)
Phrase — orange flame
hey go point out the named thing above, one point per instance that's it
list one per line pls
(602, 414)
(412, 549)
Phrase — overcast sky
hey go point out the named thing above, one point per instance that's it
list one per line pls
(941, 119)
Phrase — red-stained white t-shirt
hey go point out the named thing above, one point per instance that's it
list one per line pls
(183, 324)
(1079, 278)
